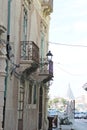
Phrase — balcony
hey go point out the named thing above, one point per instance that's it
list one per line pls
(45, 72)
(48, 75)
(30, 61)
(29, 56)
(47, 6)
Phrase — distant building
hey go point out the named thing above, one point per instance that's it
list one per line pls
(81, 103)
(70, 103)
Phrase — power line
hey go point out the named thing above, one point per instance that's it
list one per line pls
(68, 72)
(67, 44)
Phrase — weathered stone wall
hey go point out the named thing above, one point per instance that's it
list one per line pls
(11, 117)
(3, 34)
(36, 23)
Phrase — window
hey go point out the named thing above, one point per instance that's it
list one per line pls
(20, 102)
(30, 94)
(25, 25)
(34, 94)
(20, 105)
(25, 21)
(42, 46)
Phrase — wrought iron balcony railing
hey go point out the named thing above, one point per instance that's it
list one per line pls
(46, 72)
(29, 51)
(48, 4)
(29, 55)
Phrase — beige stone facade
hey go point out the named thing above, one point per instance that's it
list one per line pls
(3, 34)
(25, 72)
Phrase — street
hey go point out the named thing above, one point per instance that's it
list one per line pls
(79, 124)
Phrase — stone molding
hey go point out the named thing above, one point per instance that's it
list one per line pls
(2, 29)
(2, 65)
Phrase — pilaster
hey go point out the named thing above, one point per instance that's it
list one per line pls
(2, 78)
(45, 106)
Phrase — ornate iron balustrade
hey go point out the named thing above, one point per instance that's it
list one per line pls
(46, 66)
(46, 71)
(29, 51)
(51, 68)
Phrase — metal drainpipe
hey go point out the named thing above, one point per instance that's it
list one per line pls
(6, 78)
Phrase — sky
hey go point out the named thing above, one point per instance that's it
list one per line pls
(68, 44)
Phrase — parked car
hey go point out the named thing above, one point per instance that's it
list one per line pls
(85, 115)
(80, 115)
(52, 112)
(76, 115)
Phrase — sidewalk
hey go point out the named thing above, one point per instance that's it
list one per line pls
(66, 127)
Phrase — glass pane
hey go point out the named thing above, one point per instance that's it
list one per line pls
(20, 114)
(30, 94)
(34, 95)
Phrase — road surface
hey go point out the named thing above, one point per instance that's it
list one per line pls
(79, 124)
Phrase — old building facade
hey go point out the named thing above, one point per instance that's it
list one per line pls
(3, 34)
(26, 72)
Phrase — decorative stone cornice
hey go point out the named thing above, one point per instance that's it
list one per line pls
(30, 1)
(27, 3)
(2, 65)
(46, 12)
(2, 47)
(47, 7)
(43, 26)
(2, 29)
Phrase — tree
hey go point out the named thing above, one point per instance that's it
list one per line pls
(55, 100)
(64, 101)
(58, 103)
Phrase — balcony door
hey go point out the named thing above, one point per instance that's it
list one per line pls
(20, 106)
(42, 47)
(25, 22)
(40, 107)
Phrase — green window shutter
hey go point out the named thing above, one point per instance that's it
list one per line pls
(34, 94)
(25, 25)
(24, 32)
(42, 47)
